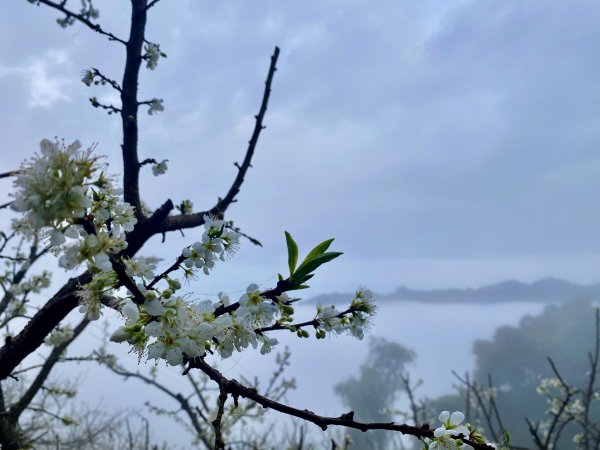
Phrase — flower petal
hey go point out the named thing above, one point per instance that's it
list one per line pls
(456, 418)
(444, 416)
(154, 307)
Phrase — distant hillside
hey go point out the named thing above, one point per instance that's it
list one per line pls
(547, 290)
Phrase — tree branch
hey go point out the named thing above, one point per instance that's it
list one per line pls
(193, 220)
(104, 79)
(183, 402)
(11, 173)
(41, 324)
(129, 110)
(152, 3)
(70, 14)
(64, 301)
(236, 389)
(219, 443)
(17, 408)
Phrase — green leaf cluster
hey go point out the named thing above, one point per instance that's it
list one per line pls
(315, 258)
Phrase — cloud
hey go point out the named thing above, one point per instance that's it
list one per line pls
(44, 88)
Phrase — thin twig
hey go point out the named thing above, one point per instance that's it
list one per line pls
(192, 220)
(106, 79)
(83, 20)
(164, 274)
(24, 402)
(152, 3)
(11, 173)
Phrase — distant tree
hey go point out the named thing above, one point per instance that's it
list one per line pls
(511, 369)
(374, 391)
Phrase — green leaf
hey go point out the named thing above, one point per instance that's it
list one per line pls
(311, 265)
(506, 438)
(292, 252)
(319, 249)
(280, 277)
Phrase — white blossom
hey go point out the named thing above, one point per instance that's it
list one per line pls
(159, 168)
(156, 105)
(154, 307)
(53, 186)
(152, 55)
(59, 336)
(88, 77)
(130, 310)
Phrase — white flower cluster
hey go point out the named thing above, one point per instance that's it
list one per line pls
(171, 328)
(186, 207)
(159, 168)
(88, 77)
(167, 327)
(566, 401)
(152, 55)
(32, 285)
(59, 336)
(217, 243)
(354, 321)
(156, 105)
(64, 194)
(141, 266)
(446, 437)
(111, 219)
(63, 189)
(52, 187)
(90, 295)
(548, 384)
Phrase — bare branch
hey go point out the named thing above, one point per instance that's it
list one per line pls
(79, 17)
(219, 443)
(11, 173)
(493, 405)
(60, 360)
(42, 375)
(104, 79)
(476, 390)
(164, 274)
(110, 108)
(555, 423)
(193, 220)
(238, 231)
(180, 399)
(309, 323)
(40, 325)
(152, 3)
(236, 389)
(410, 391)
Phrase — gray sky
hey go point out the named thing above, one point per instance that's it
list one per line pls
(441, 143)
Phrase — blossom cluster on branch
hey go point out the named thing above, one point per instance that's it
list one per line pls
(447, 436)
(64, 193)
